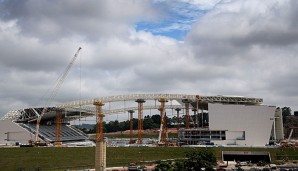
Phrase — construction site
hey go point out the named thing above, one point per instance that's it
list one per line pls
(225, 121)
(232, 121)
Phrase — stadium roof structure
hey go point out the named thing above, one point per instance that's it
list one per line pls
(31, 114)
(123, 103)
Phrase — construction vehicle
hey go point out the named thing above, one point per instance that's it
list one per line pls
(53, 95)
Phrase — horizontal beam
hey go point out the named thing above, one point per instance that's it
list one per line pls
(133, 97)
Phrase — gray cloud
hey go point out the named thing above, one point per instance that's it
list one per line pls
(245, 48)
(255, 40)
(89, 20)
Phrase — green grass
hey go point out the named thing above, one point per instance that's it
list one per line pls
(49, 158)
(46, 157)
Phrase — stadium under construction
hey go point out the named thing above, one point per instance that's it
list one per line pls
(219, 120)
(216, 120)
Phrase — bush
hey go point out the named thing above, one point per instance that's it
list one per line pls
(197, 159)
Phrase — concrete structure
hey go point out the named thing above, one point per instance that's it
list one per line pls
(246, 156)
(12, 133)
(100, 149)
(278, 129)
(243, 124)
(19, 126)
(234, 125)
(223, 120)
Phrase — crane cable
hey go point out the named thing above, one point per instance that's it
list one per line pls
(55, 91)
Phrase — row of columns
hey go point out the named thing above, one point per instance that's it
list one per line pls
(162, 134)
(163, 128)
(100, 150)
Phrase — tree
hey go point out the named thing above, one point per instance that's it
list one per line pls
(200, 158)
(286, 111)
(148, 123)
(197, 159)
(164, 166)
(156, 119)
(124, 125)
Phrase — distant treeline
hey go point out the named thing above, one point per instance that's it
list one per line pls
(149, 122)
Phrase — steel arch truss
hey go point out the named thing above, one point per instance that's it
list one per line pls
(124, 103)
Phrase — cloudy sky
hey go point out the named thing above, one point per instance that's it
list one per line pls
(204, 47)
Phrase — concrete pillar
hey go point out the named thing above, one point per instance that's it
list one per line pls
(278, 125)
(140, 120)
(100, 156)
(186, 102)
(163, 124)
(178, 118)
(58, 128)
(196, 125)
(131, 125)
(100, 149)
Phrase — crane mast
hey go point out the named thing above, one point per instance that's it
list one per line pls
(54, 93)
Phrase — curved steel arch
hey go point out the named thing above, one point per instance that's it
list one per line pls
(178, 97)
(125, 110)
(86, 104)
(129, 97)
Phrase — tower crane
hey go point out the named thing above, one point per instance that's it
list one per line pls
(54, 93)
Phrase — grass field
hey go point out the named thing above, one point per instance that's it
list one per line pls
(51, 158)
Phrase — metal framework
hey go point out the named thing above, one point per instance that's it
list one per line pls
(86, 106)
(133, 97)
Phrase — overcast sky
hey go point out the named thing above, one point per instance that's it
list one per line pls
(204, 47)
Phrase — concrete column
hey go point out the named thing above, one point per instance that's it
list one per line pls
(100, 149)
(186, 102)
(196, 125)
(140, 120)
(278, 125)
(163, 124)
(131, 125)
(178, 118)
(58, 128)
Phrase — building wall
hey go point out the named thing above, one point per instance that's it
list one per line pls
(254, 121)
(10, 133)
(279, 130)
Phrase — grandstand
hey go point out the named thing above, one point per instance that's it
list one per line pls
(19, 127)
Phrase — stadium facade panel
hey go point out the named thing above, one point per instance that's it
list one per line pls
(235, 125)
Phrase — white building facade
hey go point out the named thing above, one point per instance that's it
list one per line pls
(244, 125)
(235, 125)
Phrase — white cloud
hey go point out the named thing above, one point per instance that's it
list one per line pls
(238, 47)
(256, 41)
